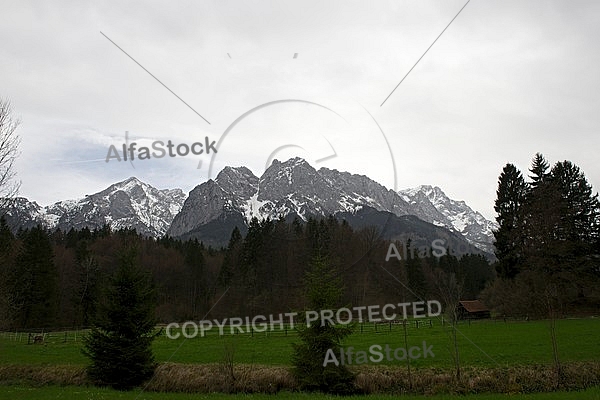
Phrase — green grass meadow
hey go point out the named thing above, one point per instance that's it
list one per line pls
(481, 344)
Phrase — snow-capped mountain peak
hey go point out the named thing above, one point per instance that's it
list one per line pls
(127, 204)
(433, 205)
(236, 195)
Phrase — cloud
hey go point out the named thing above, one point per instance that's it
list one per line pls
(506, 80)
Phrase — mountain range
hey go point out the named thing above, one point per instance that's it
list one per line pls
(127, 204)
(290, 189)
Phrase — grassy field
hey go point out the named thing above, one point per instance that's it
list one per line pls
(488, 350)
(481, 344)
(55, 392)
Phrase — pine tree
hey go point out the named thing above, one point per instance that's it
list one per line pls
(475, 273)
(541, 216)
(323, 291)
(449, 264)
(579, 207)
(33, 281)
(562, 216)
(570, 262)
(511, 197)
(7, 241)
(415, 276)
(231, 258)
(539, 168)
(119, 344)
(195, 263)
(251, 255)
(86, 296)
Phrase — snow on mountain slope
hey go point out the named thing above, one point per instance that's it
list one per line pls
(127, 204)
(294, 187)
(431, 204)
(288, 188)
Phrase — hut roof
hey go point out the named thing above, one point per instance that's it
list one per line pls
(473, 306)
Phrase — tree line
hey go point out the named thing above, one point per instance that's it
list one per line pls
(57, 279)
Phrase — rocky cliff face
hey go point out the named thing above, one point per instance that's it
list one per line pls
(290, 187)
(22, 213)
(294, 187)
(432, 205)
(127, 204)
(236, 195)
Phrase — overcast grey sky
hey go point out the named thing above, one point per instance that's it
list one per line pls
(506, 80)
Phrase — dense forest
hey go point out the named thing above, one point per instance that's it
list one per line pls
(57, 279)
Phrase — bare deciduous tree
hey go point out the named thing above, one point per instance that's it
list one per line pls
(450, 291)
(9, 146)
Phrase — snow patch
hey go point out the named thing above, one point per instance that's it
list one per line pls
(252, 208)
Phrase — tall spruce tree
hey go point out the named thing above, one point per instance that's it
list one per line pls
(414, 273)
(542, 213)
(119, 344)
(86, 295)
(324, 292)
(539, 170)
(579, 206)
(7, 241)
(33, 281)
(573, 238)
(511, 197)
(474, 272)
(231, 258)
(198, 291)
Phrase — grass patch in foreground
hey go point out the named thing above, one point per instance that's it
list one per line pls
(213, 378)
(71, 392)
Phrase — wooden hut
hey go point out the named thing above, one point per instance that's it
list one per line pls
(472, 309)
